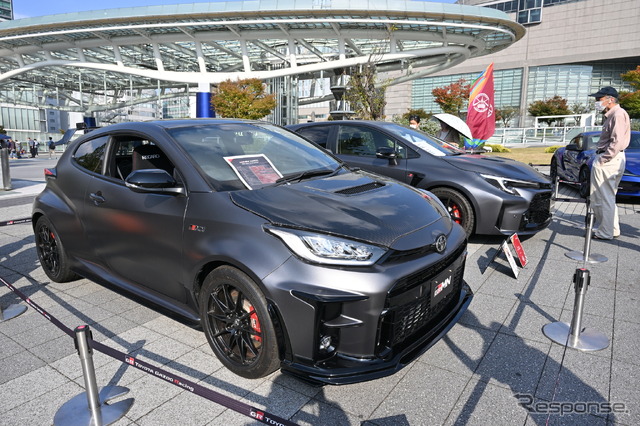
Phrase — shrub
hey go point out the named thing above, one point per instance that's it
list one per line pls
(552, 149)
(497, 148)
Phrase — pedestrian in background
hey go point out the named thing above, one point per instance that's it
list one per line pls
(12, 149)
(414, 122)
(52, 148)
(609, 164)
(30, 146)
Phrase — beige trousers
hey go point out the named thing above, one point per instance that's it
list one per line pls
(605, 179)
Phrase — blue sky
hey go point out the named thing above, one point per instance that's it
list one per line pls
(31, 8)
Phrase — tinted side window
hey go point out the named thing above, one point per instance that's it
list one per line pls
(90, 154)
(317, 134)
(364, 141)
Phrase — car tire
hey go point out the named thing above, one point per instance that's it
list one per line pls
(51, 253)
(584, 179)
(458, 207)
(237, 324)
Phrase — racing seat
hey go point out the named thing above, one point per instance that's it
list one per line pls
(150, 157)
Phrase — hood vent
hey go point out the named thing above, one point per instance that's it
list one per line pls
(360, 189)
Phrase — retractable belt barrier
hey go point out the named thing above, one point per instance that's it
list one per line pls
(556, 188)
(242, 408)
(15, 221)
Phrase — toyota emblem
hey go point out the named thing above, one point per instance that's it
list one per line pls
(441, 243)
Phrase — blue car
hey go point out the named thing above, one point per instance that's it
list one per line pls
(572, 164)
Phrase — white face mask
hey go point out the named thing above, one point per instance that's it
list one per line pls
(413, 126)
(599, 106)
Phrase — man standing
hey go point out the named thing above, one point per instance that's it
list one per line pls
(30, 144)
(609, 164)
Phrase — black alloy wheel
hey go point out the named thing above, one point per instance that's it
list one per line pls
(51, 252)
(237, 324)
(584, 178)
(458, 206)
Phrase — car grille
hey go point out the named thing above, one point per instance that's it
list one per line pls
(539, 212)
(409, 308)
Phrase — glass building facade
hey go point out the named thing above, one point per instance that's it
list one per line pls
(507, 86)
(6, 10)
(573, 82)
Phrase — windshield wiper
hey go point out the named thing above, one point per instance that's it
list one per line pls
(305, 175)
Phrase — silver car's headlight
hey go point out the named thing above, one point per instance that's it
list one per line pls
(509, 185)
(327, 249)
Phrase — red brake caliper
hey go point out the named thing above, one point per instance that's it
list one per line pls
(255, 323)
(455, 214)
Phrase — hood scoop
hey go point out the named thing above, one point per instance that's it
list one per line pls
(360, 188)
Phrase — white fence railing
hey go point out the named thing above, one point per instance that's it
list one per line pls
(537, 136)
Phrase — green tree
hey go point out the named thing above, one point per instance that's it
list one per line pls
(633, 77)
(630, 101)
(452, 98)
(243, 99)
(365, 93)
(506, 114)
(552, 106)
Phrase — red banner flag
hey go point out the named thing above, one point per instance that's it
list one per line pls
(480, 114)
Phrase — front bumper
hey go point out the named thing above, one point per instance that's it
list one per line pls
(526, 218)
(342, 370)
(377, 320)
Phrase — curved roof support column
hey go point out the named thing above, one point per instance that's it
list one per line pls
(158, 57)
(202, 66)
(117, 55)
(292, 53)
(245, 56)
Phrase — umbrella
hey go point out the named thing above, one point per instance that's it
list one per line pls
(4, 137)
(456, 123)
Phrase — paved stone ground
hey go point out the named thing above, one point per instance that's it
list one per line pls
(472, 376)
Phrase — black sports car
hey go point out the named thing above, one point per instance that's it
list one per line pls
(485, 194)
(285, 256)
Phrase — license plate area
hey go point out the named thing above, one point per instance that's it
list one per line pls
(441, 286)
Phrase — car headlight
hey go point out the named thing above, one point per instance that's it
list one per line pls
(509, 185)
(327, 249)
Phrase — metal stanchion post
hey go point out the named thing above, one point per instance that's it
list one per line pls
(556, 188)
(11, 312)
(91, 408)
(574, 336)
(5, 172)
(585, 255)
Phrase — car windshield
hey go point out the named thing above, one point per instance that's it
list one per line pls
(252, 156)
(431, 144)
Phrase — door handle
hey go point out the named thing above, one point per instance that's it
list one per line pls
(97, 198)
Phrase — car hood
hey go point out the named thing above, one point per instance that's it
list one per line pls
(497, 166)
(353, 205)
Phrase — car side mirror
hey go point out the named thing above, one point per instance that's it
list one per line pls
(388, 153)
(153, 181)
(572, 147)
